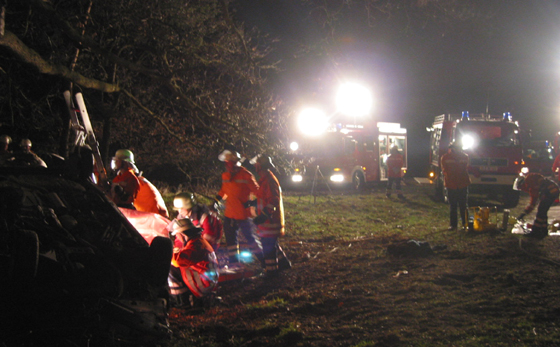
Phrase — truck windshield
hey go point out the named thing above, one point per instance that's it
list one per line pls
(493, 134)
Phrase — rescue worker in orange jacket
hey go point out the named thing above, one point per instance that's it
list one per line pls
(270, 216)
(194, 266)
(541, 190)
(149, 198)
(125, 186)
(201, 216)
(454, 167)
(395, 162)
(237, 186)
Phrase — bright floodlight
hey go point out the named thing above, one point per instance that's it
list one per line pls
(468, 142)
(353, 100)
(312, 121)
(294, 146)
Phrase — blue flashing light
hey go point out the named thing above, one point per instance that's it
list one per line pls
(246, 256)
(465, 115)
(547, 143)
(507, 116)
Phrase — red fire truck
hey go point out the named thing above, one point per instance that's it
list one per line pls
(495, 151)
(347, 154)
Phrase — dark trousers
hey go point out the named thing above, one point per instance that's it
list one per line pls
(248, 230)
(541, 221)
(457, 198)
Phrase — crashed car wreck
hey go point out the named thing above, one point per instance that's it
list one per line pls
(74, 270)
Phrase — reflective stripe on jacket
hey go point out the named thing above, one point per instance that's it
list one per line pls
(236, 190)
(199, 266)
(269, 199)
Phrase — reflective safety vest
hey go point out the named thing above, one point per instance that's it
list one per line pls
(236, 191)
(199, 266)
(269, 200)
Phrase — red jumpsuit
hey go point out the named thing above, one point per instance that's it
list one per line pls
(269, 202)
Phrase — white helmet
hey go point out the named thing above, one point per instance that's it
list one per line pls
(5, 139)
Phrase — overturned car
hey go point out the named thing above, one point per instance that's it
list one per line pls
(73, 268)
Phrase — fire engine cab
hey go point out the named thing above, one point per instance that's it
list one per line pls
(495, 151)
(347, 154)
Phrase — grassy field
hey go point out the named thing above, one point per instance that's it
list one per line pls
(488, 288)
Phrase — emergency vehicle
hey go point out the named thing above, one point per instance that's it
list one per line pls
(495, 151)
(347, 154)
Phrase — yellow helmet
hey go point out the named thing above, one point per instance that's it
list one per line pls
(126, 155)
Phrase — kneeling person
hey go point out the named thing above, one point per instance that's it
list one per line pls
(194, 268)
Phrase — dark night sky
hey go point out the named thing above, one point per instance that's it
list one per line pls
(509, 62)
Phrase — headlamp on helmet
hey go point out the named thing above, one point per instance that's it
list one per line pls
(183, 201)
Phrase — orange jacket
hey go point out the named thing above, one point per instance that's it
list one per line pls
(395, 162)
(269, 199)
(236, 190)
(149, 198)
(129, 182)
(454, 168)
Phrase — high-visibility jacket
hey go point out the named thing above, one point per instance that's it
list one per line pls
(395, 162)
(454, 166)
(129, 182)
(269, 201)
(236, 190)
(149, 198)
(199, 266)
(539, 188)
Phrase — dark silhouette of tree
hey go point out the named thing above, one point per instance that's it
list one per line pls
(174, 81)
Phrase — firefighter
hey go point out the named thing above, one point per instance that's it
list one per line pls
(454, 165)
(395, 162)
(543, 190)
(5, 154)
(188, 207)
(193, 276)
(26, 157)
(270, 216)
(238, 184)
(125, 186)
(149, 198)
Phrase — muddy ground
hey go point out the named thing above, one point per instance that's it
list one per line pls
(479, 289)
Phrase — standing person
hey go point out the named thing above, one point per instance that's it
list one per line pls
(237, 186)
(395, 162)
(194, 267)
(149, 198)
(125, 186)
(556, 167)
(201, 216)
(454, 166)
(270, 216)
(541, 190)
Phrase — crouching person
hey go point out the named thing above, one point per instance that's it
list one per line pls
(545, 192)
(193, 277)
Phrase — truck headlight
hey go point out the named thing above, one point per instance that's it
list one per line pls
(297, 178)
(337, 178)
